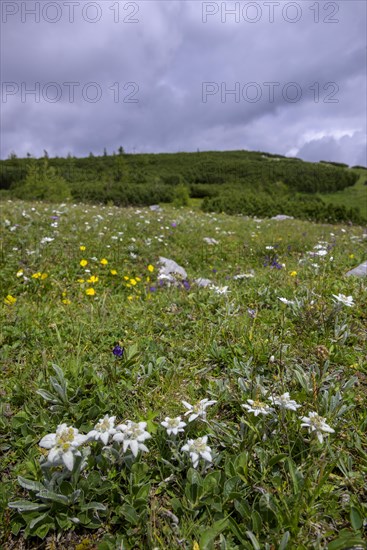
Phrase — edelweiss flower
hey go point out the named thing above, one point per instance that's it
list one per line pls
(198, 409)
(132, 434)
(219, 289)
(173, 425)
(198, 448)
(63, 445)
(257, 407)
(316, 423)
(103, 429)
(346, 300)
(285, 301)
(284, 402)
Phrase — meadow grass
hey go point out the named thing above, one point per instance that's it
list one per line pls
(352, 197)
(81, 290)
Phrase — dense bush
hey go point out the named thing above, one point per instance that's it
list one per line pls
(265, 205)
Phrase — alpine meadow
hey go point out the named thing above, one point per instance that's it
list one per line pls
(175, 376)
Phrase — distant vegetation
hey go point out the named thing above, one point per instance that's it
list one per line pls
(236, 182)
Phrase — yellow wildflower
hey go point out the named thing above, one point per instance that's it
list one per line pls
(130, 297)
(44, 276)
(80, 281)
(151, 268)
(9, 300)
(113, 272)
(195, 546)
(132, 282)
(126, 278)
(83, 263)
(66, 301)
(90, 292)
(20, 273)
(36, 275)
(138, 279)
(104, 261)
(93, 279)
(293, 273)
(351, 256)
(82, 248)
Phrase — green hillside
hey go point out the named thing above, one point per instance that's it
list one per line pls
(236, 182)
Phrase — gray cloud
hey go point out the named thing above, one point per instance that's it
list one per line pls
(169, 53)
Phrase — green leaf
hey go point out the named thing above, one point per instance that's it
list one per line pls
(276, 459)
(211, 533)
(355, 518)
(236, 530)
(43, 530)
(30, 484)
(27, 505)
(38, 519)
(284, 542)
(130, 514)
(55, 497)
(47, 395)
(345, 541)
(256, 521)
(254, 541)
(93, 506)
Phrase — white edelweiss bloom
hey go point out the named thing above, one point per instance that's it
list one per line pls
(210, 240)
(103, 429)
(132, 434)
(219, 289)
(316, 423)
(285, 301)
(45, 240)
(257, 407)
(285, 402)
(198, 448)
(197, 410)
(63, 445)
(173, 425)
(346, 300)
(243, 276)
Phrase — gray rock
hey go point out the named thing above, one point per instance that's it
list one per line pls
(359, 271)
(282, 217)
(171, 267)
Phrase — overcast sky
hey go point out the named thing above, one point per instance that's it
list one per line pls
(165, 76)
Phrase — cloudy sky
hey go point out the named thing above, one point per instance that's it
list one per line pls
(180, 75)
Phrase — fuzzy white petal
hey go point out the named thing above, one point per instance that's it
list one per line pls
(48, 441)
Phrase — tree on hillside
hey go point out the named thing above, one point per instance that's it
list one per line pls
(43, 183)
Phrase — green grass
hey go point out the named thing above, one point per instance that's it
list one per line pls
(352, 197)
(270, 483)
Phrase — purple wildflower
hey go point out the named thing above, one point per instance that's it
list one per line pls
(118, 351)
(186, 285)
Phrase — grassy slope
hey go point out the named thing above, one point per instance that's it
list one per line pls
(211, 347)
(352, 197)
